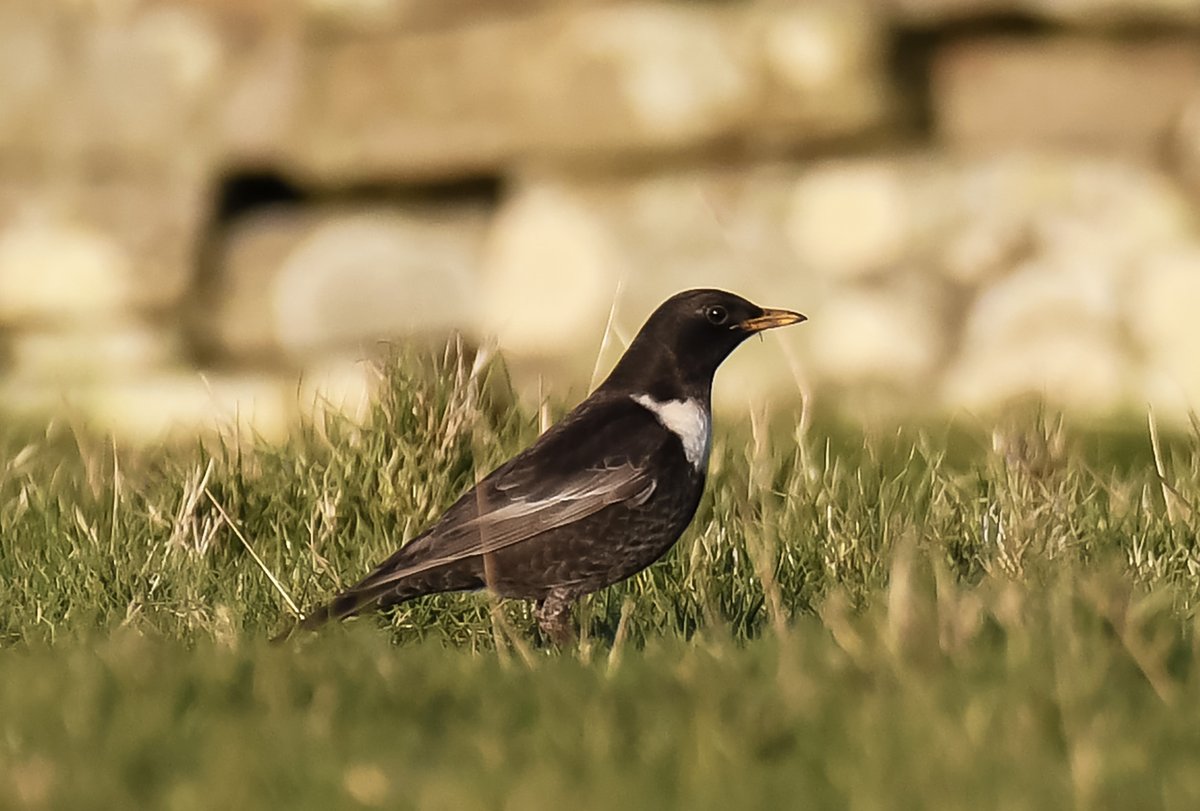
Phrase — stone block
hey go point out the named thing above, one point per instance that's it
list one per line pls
(104, 87)
(167, 406)
(1165, 328)
(1054, 320)
(822, 69)
(305, 283)
(94, 351)
(345, 387)
(82, 247)
(32, 74)
(181, 405)
(1064, 292)
(891, 336)
(550, 269)
(256, 110)
(1084, 371)
(61, 271)
(1073, 93)
(852, 218)
(590, 84)
(1051, 328)
(980, 219)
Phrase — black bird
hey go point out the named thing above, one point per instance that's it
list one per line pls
(600, 495)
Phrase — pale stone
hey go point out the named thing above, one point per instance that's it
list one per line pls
(30, 73)
(177, 405)
(1065, 292)
(1163, 319)
(184, 42)
(981, 249)
(677, 68)
(165, 406)
(339, 386)
(50, 271)
(980, 219)
(1082, 370)
(120, 349)
(850, 219)
(996, 214)
(32, 398)
(1051, 328)
(824, 70)
(1107, 208)
(261, 93)
(306, 283)
(143, 81)
(180, 405)
(808, 49)
(236, 313)
(550, 272)
(371, 276)
(143, 231)
(891, 336)
(1005, 93)
(586, 84)
(926, 12)
(158, 221)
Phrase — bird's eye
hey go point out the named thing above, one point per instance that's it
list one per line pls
(716, 315)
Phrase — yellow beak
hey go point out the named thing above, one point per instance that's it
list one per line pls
(771, 319)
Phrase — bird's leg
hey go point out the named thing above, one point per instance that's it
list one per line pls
(553, 615)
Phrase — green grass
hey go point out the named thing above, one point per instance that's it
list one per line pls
(923, 618)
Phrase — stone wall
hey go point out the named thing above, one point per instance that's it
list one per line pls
(212, 210)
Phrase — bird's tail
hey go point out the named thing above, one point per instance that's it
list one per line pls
(382, 588)
(346, 604)
(362, 594)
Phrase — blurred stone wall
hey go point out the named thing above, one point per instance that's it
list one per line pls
(215, 209)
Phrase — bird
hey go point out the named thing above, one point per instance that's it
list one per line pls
(599, 496)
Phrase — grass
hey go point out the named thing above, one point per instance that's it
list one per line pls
(924, 618)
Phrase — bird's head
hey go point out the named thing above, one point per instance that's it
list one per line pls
(678, 349)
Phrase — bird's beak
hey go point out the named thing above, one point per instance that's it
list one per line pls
(771, 319)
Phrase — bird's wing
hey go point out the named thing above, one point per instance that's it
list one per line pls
(564, 477)
(499, 523)
(482, 524)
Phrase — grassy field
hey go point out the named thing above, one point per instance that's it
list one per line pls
(924, 618)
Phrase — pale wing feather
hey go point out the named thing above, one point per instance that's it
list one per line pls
(520, 519)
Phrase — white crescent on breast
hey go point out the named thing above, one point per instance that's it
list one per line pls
(687, 419)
